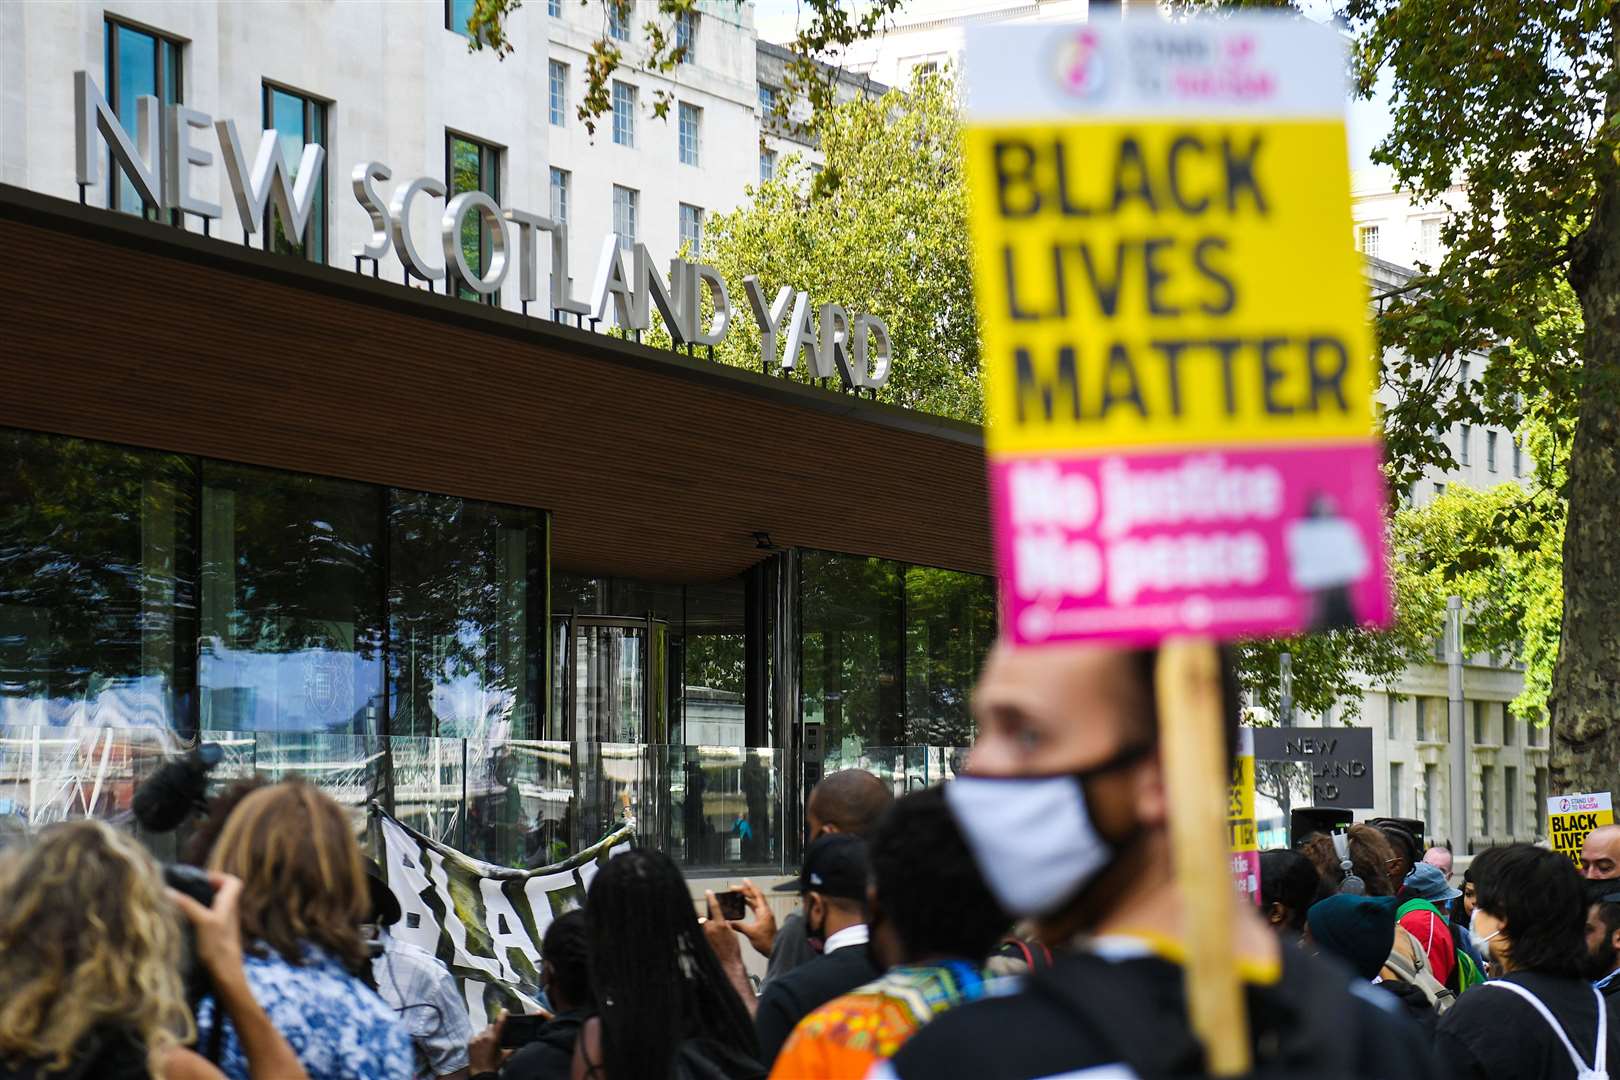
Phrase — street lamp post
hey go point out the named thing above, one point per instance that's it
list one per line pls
(1454, 718)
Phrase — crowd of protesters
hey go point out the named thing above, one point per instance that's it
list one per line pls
(1021, 922)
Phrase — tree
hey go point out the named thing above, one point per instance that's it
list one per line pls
(882, 229)
(1522, 101)
(1481, 546)
(831, 27)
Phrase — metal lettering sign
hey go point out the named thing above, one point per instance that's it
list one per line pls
(160, 160)
(1340, 760)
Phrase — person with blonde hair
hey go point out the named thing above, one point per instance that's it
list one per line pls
(304, 896)
(90, 951)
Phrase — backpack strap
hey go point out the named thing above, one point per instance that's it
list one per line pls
(1600, 1061)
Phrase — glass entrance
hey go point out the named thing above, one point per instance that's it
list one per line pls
(617, 690)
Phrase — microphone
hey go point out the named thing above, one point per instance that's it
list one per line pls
(178, 789)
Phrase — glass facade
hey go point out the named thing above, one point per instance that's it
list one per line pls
(138, 63)
(470, 165)
(416, 649)
(297, 121)
(890, 651)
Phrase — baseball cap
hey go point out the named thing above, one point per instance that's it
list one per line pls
(1428, 882)
(834, 865)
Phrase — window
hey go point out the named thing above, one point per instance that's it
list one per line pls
(559, 195)
(692, 230)
(924, 69)
(457, 14)
(1429, 239)
(1392, 720)
(470, 165)
(297, 120)
(1510, 797)
(1367, 240)
(1462, 373)
(1421, 705)
(624, 114)
(1490, 451)
(1510, 724)
(1397, 779)
(1482, 727)
(618, 13)
(626, 204)
(1464, 438)
(1439, 489)
(1487, 777)
(686, 23)
(767, 100)
(558, 97)
(767, 165)
(691, 129)
(1518, 458)
(1534, 734)
(139, 63)
(554, 8)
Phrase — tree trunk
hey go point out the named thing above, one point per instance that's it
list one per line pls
(1585, 699)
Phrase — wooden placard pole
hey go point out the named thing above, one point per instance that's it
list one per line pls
(1193, 748)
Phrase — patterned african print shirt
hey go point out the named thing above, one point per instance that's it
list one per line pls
(337, 1025)
(846, 1036)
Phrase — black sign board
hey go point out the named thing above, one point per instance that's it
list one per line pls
(1340, 760)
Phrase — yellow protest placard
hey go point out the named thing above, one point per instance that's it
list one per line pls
(1571, 818)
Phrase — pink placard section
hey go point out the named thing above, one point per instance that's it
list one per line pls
(1134, 547)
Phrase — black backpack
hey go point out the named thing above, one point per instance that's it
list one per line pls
(705, 1059)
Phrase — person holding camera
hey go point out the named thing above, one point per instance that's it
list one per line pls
(90, 957)
(565, 975)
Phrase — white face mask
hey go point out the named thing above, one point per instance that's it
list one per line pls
(1483, 944)
(1033, 837)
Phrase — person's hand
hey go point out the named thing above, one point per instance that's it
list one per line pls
(761, 933)
(218, 929)
(718, 931)
(484, 1052)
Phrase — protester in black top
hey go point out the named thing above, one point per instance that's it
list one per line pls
(1288, 884)
(565, 976)
(833, 885)
(1530, 915)
(664, 1006)
(1067, 811)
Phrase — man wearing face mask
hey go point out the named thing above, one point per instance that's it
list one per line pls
(1540, 1017)
(833, 886)
(1066, 810)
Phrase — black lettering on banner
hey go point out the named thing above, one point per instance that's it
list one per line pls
(1156, 276)
(1327, 380)
(1119, 364)
(1240, 177)
(1228, 292)
(1065, 378)
(1015, 174)
(1227, 348)
(1179, 145)
(1271, 375)
(1106, 292)
(1131, 179)
(1172, 351)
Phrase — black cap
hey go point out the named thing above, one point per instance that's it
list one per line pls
(834, 865)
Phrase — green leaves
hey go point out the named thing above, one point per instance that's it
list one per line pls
(881, 228)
